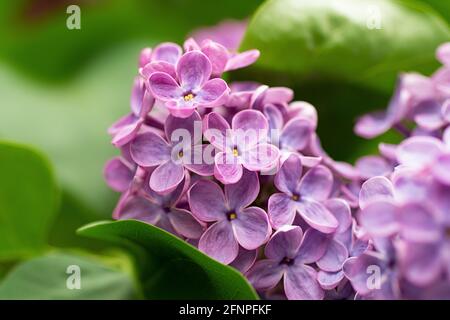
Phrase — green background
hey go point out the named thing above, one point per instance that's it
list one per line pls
(60, 89)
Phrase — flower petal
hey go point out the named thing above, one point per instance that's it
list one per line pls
(375, 189)
(428, 115)
(185, 224)
(253, 121)
(199, 161)
(139, 208)
(372, 125)
(357, 271)
(164, 87)
(300, 283)
(242, 60)
(313, 247)
(241, 194)
(284, 243)
(274, 117)
(421, 263)
(316, 183)
(417, 152)
(217, 55)
(212, 93)
(184, 131)
(441, 169)
(245, 260)
(265, 274)
(333, 258)
(317, 216)
(219, 243)
(227, 168)
(329, 280)
(169, 52)
(443, 53)
(207, 201)
(418, 224)
(380, 218)
(289, 176)
(158, 66)
(251, 228)
(260, 157)
(166, 177)
(216, 130)
(282, 210)
(341, 211)
(193, 70)
(372, 166)
(296, 134)
(149, 149)
(127, 132)
(118, 174)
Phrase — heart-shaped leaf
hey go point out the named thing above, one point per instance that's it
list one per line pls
(28, 201)
(170, 268)
(65, 276)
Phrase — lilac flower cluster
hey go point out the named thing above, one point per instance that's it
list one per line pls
(237, 170)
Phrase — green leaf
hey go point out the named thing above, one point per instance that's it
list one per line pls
(69, 123)
(35, 38)
(337, 39)
(325, 51)
(170, 268)
(28, 201)
(46, 277)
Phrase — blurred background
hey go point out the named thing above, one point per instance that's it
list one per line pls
(60, 89)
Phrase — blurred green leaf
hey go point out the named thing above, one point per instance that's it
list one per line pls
(325, 51)
(46, 277)
(69, 122)
(168, 267)
(441, 7)
(35, 38)
(28, 201)
(339, 39)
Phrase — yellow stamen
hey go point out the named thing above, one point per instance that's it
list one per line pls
(232, 216)
(180, 154)
(235, 152)
(188, 97)
(295, 197)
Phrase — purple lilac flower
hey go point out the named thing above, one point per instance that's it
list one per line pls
(221, 58)
(234, 223)
(228, 33)
(303, 195)
(160, 210)
(289, 253)
(241, 146)
(126, 128)
(294, 135)
(192, 86)
(119, 174)
(171, 157)
(374, 274)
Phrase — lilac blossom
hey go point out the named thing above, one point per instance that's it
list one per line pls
(234, 223)
(162, 211)
(289, 253)
(241, 146)
(192, 86)
(171, 157)
(303, 195)
(126, 128)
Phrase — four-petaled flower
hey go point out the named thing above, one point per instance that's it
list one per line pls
(192, 86)
(303, 195)
(244, 145)
(288, 253)
(234, 223)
